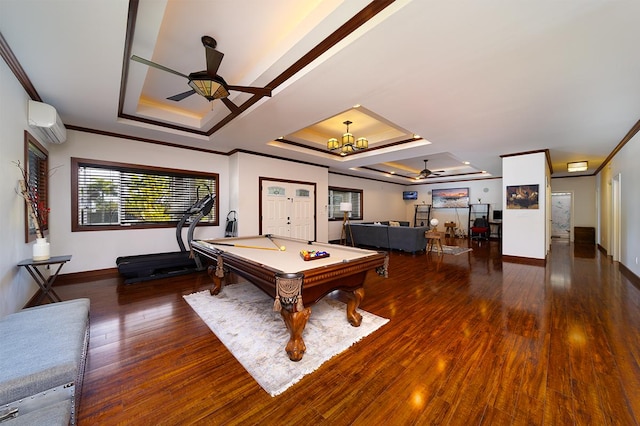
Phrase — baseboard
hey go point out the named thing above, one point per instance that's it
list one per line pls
(628, 274)
(80, 277)
(524, 260)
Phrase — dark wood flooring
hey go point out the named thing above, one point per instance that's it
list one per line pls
(472, 340)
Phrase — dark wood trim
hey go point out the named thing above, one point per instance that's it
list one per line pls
(628, 274)
(411, 178)
(131, 27)
(275, 157)
(602, 249)
(337, 152)
(261, 179)
(524, 260)
(456, 181)
(75, 164)
(138, 139)
(82, 277)
(164, 124)
(365, 178)
(359, 19)
(14, 65)
(361, 191)
(630, 134)
(29, 139)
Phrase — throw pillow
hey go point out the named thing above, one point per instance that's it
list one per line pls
(394, 223)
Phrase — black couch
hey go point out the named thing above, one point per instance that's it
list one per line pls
(382, 235)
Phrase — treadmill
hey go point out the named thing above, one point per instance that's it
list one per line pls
(146, 267)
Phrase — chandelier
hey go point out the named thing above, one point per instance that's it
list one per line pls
(348, 143)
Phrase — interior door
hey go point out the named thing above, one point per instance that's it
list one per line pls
(275, 209)
(288, 209)
(302, 212)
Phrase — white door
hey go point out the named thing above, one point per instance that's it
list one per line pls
(302, 212)
(275, 209)
(288, 209)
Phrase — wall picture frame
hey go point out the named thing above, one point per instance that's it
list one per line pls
(523, 197)
(448, 198)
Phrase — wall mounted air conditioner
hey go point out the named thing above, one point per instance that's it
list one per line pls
(46, 121)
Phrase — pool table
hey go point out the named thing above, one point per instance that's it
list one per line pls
(275, 265)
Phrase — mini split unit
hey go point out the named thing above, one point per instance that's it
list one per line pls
(46, 121)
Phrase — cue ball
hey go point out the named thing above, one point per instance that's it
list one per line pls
(282, 248)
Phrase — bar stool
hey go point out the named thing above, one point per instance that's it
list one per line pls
(434, 237)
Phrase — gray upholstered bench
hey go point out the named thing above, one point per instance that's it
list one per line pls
(42, 356)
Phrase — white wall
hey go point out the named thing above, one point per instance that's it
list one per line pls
(382, 201)
(487, 190)
(526, 232)
(625, 164)
(252, 167)
(94, 250)
(16, 286)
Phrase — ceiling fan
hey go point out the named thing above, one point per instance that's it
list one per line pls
(425, 173)
(208, 83)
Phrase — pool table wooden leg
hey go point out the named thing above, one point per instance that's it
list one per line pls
(355, 319)
(295, 322)
(216, 273)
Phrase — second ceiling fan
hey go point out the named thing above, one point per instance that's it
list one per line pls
(425, 173)
(208, 83)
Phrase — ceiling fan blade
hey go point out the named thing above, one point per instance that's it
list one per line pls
(262, 91)
(214, 58)
(158, 66)
(232, 107)
(181, 96)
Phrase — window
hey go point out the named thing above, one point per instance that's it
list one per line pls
(344, 195)
(36, 160)
(110, 195)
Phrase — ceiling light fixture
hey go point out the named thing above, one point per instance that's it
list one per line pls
(348, 143)
(577, 166)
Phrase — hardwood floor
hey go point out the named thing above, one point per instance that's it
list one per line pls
(472, 340)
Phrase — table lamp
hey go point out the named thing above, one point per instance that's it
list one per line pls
(434, 222)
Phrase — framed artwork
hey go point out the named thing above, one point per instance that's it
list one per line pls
(450, 198)
(522, 197)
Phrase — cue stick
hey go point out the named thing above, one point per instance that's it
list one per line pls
(270, 237)
(243, 246)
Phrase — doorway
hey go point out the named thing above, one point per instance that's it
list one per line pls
(288, 209)
(616, 194)
(561, 208)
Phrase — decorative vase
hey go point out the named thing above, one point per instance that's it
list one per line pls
(41, 249)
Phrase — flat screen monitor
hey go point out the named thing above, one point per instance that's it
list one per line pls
(497, 215)
(409, 195)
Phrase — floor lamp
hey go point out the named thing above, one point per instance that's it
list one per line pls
(346, 208)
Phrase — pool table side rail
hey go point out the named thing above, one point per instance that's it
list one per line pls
(345, 276)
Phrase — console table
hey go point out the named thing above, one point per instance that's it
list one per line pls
(44, 283)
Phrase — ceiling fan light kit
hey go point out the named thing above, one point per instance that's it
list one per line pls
(208, 88)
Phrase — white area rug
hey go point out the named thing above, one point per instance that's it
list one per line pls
(242, 317)
(454, 250)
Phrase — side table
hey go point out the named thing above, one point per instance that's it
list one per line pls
(45, 284)
(434, 237)
(450, 229)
